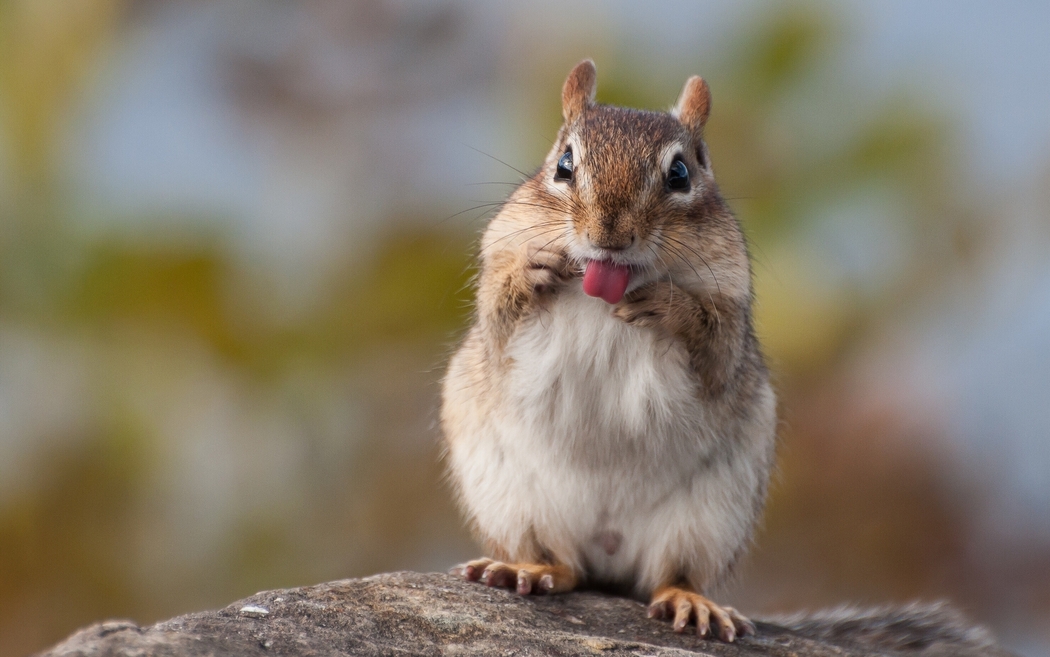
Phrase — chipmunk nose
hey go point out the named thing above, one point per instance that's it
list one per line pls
(611, 242)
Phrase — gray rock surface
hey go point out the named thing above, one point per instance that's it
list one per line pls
(433, 614)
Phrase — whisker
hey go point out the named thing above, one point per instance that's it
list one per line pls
(700, 257)
(553, 239)
(547, 225)
(524, 176)
(519, 232)
(674, 250)
(670, 245)
(488, 207)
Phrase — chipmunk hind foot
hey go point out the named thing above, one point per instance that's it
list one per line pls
(525, 578)
(685, 606)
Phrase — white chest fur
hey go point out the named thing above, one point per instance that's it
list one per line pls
(602, 449)
(598, 394)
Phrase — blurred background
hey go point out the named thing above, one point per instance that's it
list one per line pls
(235, 244)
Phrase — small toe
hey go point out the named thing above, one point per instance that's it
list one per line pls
(660, 609)
(683, 611)
(743, 624)
(472, 570)
(703, 619)
(500, 575)
(722, 623)
(546, 584)
(526, 582)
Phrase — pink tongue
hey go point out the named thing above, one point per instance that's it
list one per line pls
(606, 280)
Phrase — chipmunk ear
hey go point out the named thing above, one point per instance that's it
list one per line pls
(693, 105)
(578, 92)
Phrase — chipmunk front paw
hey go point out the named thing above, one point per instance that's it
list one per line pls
(649, 306)
(547, 270)
(672, 602)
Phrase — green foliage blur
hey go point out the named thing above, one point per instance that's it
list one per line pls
(89, 530)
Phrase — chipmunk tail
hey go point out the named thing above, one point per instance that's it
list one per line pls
(913, 627)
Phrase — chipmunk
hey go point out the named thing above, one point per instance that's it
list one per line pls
(608, 418)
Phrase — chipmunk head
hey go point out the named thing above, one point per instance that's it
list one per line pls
(627, 177)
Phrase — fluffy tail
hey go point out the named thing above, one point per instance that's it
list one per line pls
(913, 627)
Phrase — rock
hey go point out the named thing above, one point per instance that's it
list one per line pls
(415, 614)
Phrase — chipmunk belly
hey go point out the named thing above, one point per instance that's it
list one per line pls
(604, 422)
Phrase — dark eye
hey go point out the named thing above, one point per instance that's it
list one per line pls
(678, 176)
(564, 170)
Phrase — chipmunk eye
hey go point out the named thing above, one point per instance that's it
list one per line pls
(564, 170)
(678, 176)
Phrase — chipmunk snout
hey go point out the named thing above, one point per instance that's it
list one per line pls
(611, 241)
(611, 233)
